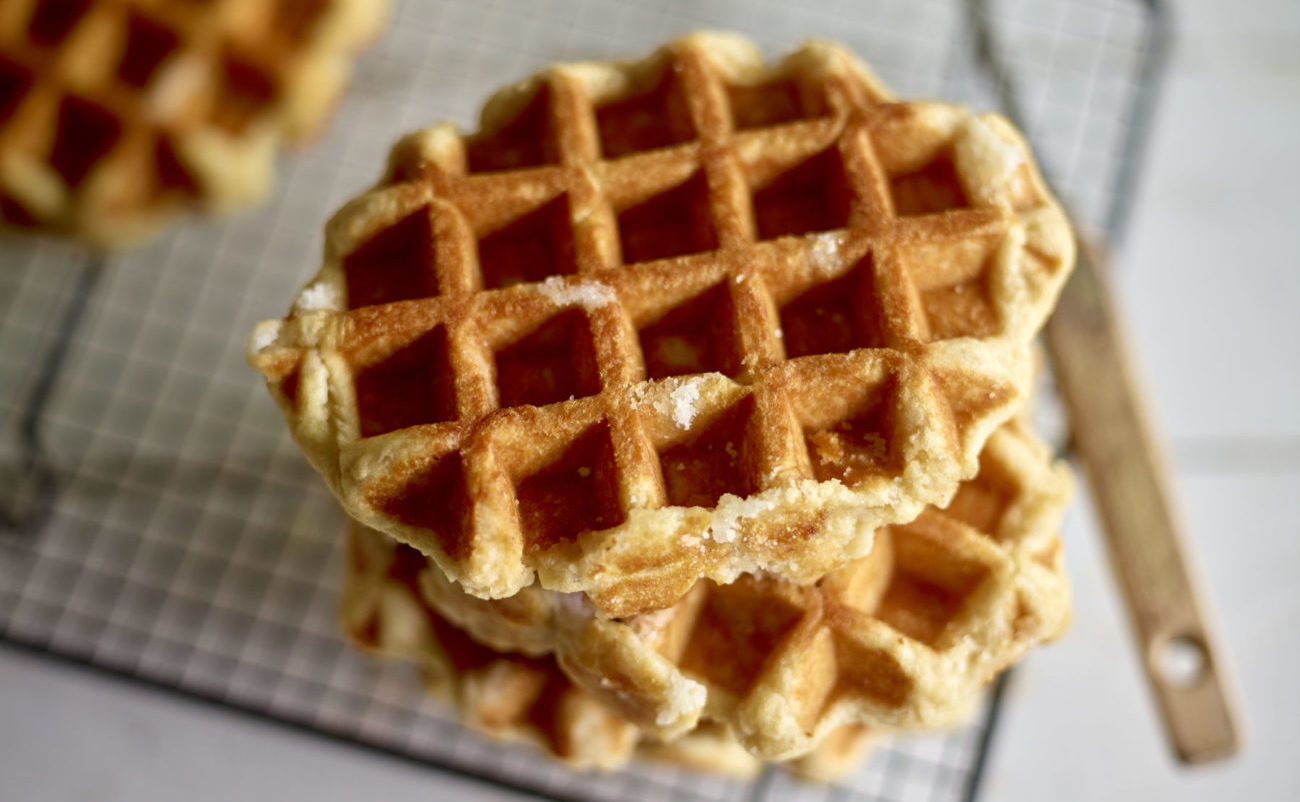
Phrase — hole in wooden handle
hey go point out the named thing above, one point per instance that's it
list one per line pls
(1181, 661)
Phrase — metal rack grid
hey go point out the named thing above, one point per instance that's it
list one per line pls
(160, 524)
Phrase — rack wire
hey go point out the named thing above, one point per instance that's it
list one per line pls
(158, 522)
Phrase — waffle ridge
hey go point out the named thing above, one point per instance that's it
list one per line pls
(685, 317)
(116, 114)
(902, 638)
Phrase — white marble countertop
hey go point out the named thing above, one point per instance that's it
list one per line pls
(1210, 285)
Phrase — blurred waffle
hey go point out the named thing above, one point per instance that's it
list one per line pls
(116, 114)
(685, 317)
(902, 638)
(502, 695)
(513, 697)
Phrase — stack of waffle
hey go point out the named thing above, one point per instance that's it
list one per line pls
(676, 410)
(116, 114)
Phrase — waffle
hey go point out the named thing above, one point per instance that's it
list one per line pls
(514, 697)
(116, 114)
(686, 317)
(505, 696)
(902, 638)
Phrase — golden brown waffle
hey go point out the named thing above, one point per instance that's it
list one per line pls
(510, 696)
(502, 695)
(681, 318)
(115, 114)
(902, 638)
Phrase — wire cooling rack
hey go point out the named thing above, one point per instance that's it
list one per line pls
(158, 522)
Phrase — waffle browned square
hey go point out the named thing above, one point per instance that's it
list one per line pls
(685, 317)
(115, 114)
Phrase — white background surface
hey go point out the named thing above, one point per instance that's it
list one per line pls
(1210, 282)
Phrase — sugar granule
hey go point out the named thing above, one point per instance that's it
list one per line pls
(825, 253)
(318, 296)
(264, 335)
(682, 402)
(589, 295)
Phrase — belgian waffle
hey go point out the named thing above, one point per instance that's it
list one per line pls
(902, 638)
(506, 696)
(511, 696)
(115, 114)
(680, 318)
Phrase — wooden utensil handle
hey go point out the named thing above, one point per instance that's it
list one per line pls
(1115, 446)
